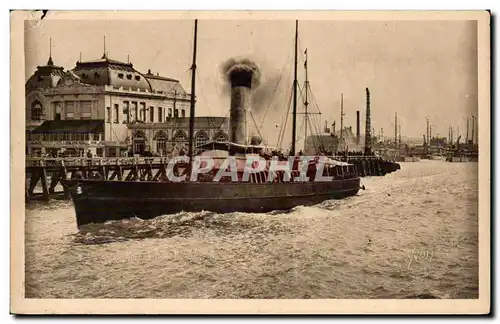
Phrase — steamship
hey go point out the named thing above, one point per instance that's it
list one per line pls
(98, 201)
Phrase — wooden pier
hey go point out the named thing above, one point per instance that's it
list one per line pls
(46, 173)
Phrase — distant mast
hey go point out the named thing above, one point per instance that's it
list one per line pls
(396, 129)
(472, 136)
(399, 135)
(341, 119)
(193, 96)
(428, 136)
(467, 133)
(294, 117)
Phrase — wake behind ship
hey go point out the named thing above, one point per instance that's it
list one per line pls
(234, 176)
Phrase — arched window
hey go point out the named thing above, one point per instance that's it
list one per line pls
(139, 142)
(180, 142)
(36, 110)
(180, 137)
(200, 138)
(221, 137)
(139, 134)
(161, 142)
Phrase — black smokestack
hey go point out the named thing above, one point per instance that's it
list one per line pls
(358, 131)
(241, 78)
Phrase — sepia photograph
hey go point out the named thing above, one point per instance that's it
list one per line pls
(271, 162)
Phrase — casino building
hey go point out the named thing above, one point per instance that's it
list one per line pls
(110, 108)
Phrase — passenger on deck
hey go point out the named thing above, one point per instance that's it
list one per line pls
(89, 157)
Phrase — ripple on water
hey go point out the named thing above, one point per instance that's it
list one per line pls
(352, 248)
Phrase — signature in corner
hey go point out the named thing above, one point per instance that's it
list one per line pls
(417, 254)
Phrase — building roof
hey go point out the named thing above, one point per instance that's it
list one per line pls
(105, 71)
(71, 126)
(166, 85)
(45, 76)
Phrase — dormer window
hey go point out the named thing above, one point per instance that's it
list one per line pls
(120, 75)
(96, 75)
(84, 76)
(137, 78)
(129, 76)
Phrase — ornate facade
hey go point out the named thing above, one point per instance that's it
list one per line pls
(109, 108)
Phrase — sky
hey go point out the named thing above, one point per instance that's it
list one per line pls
(419, 69)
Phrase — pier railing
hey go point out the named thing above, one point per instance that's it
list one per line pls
(83, 161)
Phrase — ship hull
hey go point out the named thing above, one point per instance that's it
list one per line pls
(99, 201)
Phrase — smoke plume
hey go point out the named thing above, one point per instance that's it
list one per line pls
(263, 82)
(243, 64)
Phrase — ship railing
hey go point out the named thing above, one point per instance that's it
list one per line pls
(355, 157)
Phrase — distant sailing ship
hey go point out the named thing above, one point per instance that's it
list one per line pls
(269, 189)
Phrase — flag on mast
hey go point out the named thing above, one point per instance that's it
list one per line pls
(305, 63)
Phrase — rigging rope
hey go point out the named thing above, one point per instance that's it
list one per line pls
(272, 96)
(284, 123)
(211, 122)
(258, 131)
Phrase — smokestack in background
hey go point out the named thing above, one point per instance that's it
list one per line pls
(358, 131)
(368, 128)
(241, 85)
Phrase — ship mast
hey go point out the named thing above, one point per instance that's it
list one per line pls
(341, 119)
(428, 137)
(472, 137)
(396, 130)
(193, 98)
(306, 103)
(294, 123)
(467, 133)
(399, 142)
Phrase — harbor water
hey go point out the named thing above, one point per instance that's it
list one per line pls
(410, 234)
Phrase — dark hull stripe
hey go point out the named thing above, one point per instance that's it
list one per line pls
(104, 201)
(147, 199)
